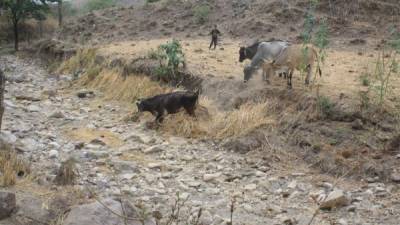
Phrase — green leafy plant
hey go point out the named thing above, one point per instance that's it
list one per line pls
(201, 13)
(170, 56)
(319, 37)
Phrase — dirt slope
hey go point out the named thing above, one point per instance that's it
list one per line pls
(246, 20)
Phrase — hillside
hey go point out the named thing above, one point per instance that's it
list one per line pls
(246, 20)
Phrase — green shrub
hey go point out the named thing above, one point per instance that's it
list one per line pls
(325, 105)
(201, 13)
(365, 80)
(92, 5)
(172, 54)
(151, 1)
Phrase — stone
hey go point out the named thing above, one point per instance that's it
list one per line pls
(327, 186)
(248, 208)
(211, 177)
(292, 185)
(85, 94)
(57, 115)
(155, 165)
(128, 176)
(318, 196)
(32, 207)
(153, 149)
(395, 177)
(7, 138)
(93, 154)
(7, 204)
(27, 98)
(96, 214)
(53, 154)
(54, 145)
(357, 124)
(250, 187)
(33, 108)
(97, 141)
(335, 199)
(342, 222)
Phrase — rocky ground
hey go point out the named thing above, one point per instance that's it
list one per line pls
(48, 123)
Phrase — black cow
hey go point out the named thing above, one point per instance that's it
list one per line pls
(170, 103)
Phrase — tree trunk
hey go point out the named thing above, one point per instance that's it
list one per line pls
(2, 90)
(60, 16)
(15, 24)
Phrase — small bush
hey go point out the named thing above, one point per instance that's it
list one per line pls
(325, 105)
(152, 1)
(11, 166)
(365, 80)
(201, 13)
(172, 53)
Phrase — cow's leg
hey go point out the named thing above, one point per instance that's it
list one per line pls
(307, 81)
(267, 74)
(289, 79)
(159, 117)
(191, 110)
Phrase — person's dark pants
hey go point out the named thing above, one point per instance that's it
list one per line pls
(213, 42)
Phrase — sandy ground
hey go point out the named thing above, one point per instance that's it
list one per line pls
(341, 70)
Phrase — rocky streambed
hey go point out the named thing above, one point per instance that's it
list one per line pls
(49, 121)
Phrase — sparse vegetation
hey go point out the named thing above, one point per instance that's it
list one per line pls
(319, 38)
(325, 105)
(201, 13)
(365, 80)
(380, 79)
(11, 166)
(92, 5)
(66, 174)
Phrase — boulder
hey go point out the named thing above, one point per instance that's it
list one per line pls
(7, 204)
(335, 199)
(96, 214)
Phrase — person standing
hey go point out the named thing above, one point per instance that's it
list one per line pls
(214, 37)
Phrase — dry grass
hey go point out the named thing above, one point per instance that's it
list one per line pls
(11, 165)
(212, 123)
(84, 58)
(66, 174)
(129, 88)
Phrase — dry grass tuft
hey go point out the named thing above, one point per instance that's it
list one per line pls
(84, 58)
(239, 122)
(66, 175)
(129, 88)
(11, 166)
(216, 124)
